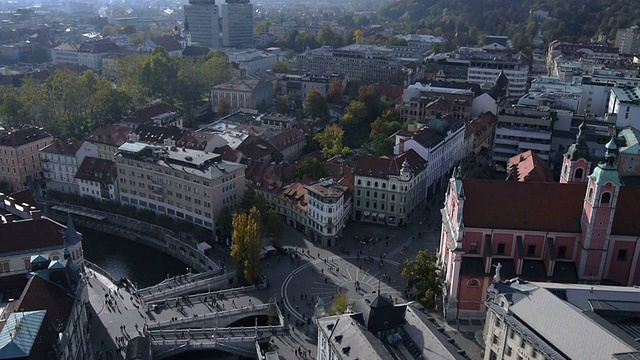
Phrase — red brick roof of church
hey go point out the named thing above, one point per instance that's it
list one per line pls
(540, 206)
(528, 166)
(625, 222)
(518, 205)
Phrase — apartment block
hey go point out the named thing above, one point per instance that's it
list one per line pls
(185, 184)
(20, 167)
(237, 23)
(60, 161)
(388, 190)
(328, 210)
(360, 63)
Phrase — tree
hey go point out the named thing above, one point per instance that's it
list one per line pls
(326, 36)
(12, 110)
(129, 78)
(281, 67)
(330, 140)
(315, 105)
(334, 93)
(225, 222)
(355, 114)
(358, 35)
(272, 224)
(247, 244)
(340, 304)
(282, 104)
(396, 41)
(158, 74)
(422, 276)
(251, 199)
(312, 168)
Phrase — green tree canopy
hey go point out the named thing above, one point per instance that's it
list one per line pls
(281, 67)
(315, 105)
(330, 140)
(247, 244)
(395, 41)
(421, 274)
(312, 168)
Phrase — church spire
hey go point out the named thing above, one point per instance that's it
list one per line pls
(71, 236)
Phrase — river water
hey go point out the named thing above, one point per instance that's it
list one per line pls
(124, 258)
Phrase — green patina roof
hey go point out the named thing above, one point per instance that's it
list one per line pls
(604, 173)
(19, 334)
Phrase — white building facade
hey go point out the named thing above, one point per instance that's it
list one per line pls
(60, 162)
(328, 210)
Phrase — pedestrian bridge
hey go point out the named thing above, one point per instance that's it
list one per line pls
(239, 345)
(220, 319)
(185, 285)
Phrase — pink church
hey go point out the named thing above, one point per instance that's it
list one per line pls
(585, 229)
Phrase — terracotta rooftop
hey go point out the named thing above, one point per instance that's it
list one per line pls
(24, 197)
(523, 205)
(145, 114)
(258, 149)
(29, 235)
(528, 166)
(98, 170)
(228, 154)
(268, 177)
(114, 135)
(40, 294)
(287, 138)
(327, 188)
(296, 194)
(383, 167)
(626, 221)
(63, 147)
(168, 42)
(22, 136)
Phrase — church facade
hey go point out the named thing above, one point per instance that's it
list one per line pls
(583, 229)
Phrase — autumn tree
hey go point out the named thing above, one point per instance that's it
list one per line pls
(330, 140)
(315, 105)
(281, 67)
(334, 93)
(247, 243)
(312, 168)
(421, 273)
(340, 304)
(355, 114)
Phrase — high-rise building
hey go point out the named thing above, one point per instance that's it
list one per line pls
(237, 23)
(201, 19)
(628, 40)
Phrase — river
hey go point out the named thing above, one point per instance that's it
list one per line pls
(124, 258)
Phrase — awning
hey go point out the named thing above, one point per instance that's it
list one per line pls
(381, 216)
(366, 213)
(203, 246)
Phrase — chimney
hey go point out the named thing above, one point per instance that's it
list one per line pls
(35, 214)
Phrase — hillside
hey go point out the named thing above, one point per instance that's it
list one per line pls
(569, 20)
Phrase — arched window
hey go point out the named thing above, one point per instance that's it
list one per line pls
(473, 282)
(590, 196)
(579, 172)
(606, 198)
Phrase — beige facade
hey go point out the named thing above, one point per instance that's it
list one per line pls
(20, 164)
(388, 190)
(184, 184)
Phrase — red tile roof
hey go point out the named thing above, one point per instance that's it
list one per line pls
(523, 205)
(287, 138)
(29, 235)
(528, 166)
(258, 150)
(114, 135)
(98, 170)
(269, 177)
(63, 147)
(168, 42)
(228, 154)
(144, 115)
(625, 221)
(24, 197)
(40, 294)
(382, 167)
(22, 136)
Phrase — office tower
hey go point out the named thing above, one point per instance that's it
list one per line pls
(201, 17)
(237, 23)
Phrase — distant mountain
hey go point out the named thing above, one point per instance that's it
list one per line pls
(570, 20)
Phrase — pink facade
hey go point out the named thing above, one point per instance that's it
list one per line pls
(562, 232)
